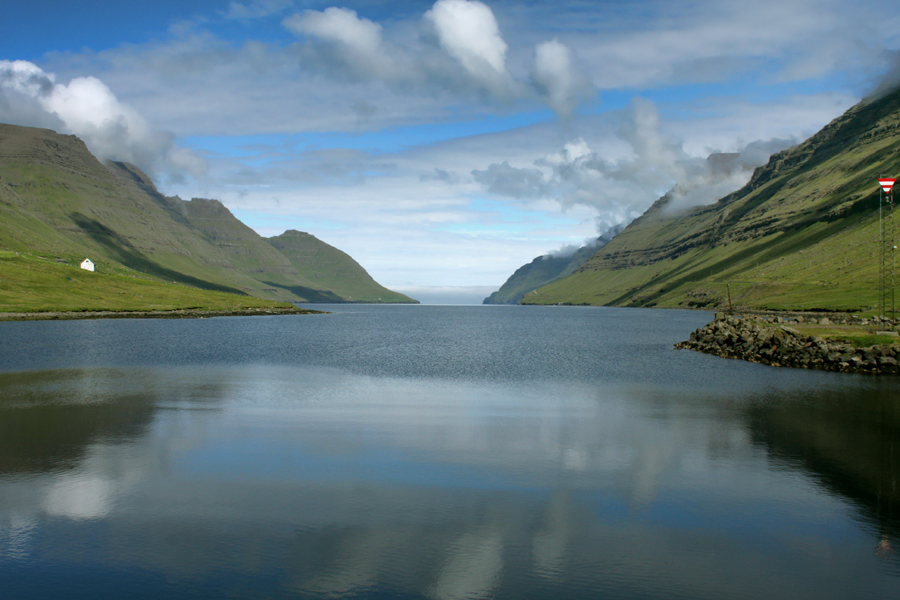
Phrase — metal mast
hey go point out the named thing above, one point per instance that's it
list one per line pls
(887, 247)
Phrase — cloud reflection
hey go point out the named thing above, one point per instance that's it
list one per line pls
(325, 482)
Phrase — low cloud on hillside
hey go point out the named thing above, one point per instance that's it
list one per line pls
(86, 107)
(621, 189)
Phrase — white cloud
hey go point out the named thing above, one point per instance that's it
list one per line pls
(621, 188)
(339, 25)
(358, 41)
(556, 78)
(719, 40)
(468, 31)
(87, 108)
(459, 51)
(424, 69)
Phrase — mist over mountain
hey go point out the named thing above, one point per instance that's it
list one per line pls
(548, 268)
(802, 234)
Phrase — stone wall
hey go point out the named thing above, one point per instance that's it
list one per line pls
(783, 346)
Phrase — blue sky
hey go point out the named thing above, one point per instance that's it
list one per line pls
(442, 144)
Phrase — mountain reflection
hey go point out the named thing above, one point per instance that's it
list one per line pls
(49, 419)
(849, 442)
(317, 482)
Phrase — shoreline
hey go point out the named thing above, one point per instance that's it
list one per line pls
(778, 345)
(152, 314)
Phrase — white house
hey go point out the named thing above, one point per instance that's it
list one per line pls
(87, 264)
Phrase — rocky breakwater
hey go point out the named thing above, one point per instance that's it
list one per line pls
(783, 346)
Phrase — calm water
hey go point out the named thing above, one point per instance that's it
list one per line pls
(436, 452)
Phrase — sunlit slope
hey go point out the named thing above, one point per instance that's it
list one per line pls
(539, 272)
(802, 234)
(546, 269)
(30, 283)
(58, 201)
(247, 252)
(332, 270)
(62, 202)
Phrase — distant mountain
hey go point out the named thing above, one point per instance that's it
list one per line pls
(57, 200)
(331, 270)
(546, 269)
(803, 234)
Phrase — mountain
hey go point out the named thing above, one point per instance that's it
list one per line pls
(331, 270)
(57, 200)
(546, 269)
(803, 234)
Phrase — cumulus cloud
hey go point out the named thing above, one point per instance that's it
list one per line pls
(86, 107)
(556, 79)
(620, 190)
(357, 42)
(468, 31)
(459, 50)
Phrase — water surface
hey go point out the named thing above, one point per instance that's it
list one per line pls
(435, 452)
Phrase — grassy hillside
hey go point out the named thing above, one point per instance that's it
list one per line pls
(58, 201)
(335, 273)
(546, 269)
(30, 283)
(801, 235)
(541, 271)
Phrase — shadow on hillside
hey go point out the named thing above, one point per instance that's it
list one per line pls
(763, 253)
(128, 172)
(122, 250)
(309, 294)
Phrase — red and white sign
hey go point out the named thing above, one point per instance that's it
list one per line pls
(886, 184)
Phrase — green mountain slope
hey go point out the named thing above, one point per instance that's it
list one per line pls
(803, 234)
(57, 200)
(546, 269)
(31, 284)
(335, 273)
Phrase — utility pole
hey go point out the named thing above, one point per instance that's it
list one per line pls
(886, 243)
(730, 309)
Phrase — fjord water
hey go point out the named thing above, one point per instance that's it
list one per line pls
(436, 452)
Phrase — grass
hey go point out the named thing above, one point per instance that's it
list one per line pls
(332, 271)
(805, 239)
(54, 212)
(30, 283)
(858, 336)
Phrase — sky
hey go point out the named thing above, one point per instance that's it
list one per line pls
(443, 144)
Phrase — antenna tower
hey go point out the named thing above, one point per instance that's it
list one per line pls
(887, 244)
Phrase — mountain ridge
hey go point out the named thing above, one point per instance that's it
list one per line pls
(546, 269)
(57, 199)
(800, 235)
